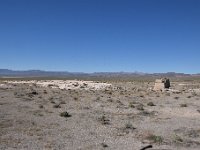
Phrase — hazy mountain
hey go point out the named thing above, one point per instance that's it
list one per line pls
(33, 73)
(41, 73)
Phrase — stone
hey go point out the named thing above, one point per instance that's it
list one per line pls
(161, 84)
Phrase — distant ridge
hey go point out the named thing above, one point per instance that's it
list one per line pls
(35, 73)
(41, 73)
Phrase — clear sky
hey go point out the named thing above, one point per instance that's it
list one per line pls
(100, 35)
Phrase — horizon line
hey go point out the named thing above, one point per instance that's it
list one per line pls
(139, 72)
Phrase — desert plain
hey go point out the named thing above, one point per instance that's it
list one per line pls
(97, 115)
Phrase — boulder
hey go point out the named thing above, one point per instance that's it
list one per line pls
(161, 84)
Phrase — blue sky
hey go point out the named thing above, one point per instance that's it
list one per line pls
(100, 35)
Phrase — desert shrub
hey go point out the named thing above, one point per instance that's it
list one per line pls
(82, 87)
(104, 120)
(151, 104)
(62, 102)
(155, 138)
(45, 92)
(75, 98)
(167, 94)
(194, 94)
(177, 139)
(110, 100)
(176, 97)
(98, 98)
(104, 145)
(38, 113)
(140, 107)
(65, 114)
(131, 104)
(183, 105)
(129, 126)
(41, 106)
(56, 106)
(33, 93)
(141, 95)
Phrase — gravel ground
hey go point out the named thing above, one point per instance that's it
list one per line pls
(125, 116)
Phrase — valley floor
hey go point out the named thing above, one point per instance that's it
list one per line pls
(120, 116)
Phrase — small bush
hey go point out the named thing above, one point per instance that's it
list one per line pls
(41, 106)
(178, 139)
(33, 93)
(141, 95)
(183, 105)
(75, 98)
(129, 126)
(155, 138)
(110, 100)
(104, 145)
(131, 104)
(157, 95)
(62, 102)
(57, 106)
(176, 97)
(65, 114)
(98, 98)
(45, 92)
(104, 120)
(140, 107)
(151, 104)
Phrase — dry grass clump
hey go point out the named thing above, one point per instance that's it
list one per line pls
(155, 138)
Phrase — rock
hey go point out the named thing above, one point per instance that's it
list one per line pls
(161, 84)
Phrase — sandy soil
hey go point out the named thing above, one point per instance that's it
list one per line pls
(87, 115)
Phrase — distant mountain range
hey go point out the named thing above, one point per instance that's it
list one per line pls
(35, 73)
(41, 73)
